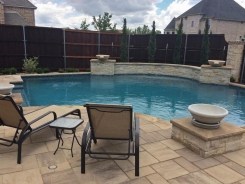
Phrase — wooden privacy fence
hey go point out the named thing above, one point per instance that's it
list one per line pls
(65, 48)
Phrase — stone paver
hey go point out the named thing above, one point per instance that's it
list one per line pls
(224, 174)
(162, 160)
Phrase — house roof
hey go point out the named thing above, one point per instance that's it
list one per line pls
(217, 9)
(14, 18)
(18, 3)
(171, 25)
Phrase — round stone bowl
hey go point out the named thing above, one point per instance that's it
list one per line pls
(207, 113)
(216, 63)
(102, 57)
(6, 89)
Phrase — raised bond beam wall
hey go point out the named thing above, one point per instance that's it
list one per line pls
(203, 74)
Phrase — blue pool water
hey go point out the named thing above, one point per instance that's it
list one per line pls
(160, 96)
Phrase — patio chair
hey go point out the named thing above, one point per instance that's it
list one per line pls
(12, 115)
(111, 122)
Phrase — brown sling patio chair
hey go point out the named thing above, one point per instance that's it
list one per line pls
(111, 122)
(12, 115)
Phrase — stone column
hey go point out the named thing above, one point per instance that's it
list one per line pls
(215, 75)
(234, 57)
(99, 67)
(1, 14)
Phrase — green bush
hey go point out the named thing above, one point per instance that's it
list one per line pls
(88, 70)
(46, 70)
(29, 65)
(5, 71)
(232, 79)
(70, 69)
(76, 70)
(13, 70)
(61, 70)
(39, 70)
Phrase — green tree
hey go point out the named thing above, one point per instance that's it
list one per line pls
(124, 49)
(178, 42)
(103, 23)
(152, 44)
(158, 32)
(84, 25)
(205, 45)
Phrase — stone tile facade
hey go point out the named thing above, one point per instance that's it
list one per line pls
(215, 75)
(232, 29)
(234, 57)
(1, 13)
(204, 74)
(26, 13)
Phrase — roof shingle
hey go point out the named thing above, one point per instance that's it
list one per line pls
(18, 3)
(217, 9)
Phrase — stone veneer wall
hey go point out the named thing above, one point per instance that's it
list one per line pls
(234, 57)
(26, 13)
(215, 75)
(204, 74)
(1, 14)
(190, 72)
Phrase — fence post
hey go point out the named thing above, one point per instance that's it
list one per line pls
(24, 36)
(64, 37)
(99, 42)
(166, 52)
(185, 46)
(128, 45)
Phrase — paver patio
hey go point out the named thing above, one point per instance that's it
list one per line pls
(162, 160)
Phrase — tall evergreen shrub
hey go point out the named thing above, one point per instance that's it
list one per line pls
(205, 45)
(152, 44)
(124, 47)
(178, 43)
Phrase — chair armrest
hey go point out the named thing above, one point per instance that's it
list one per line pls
(42, 116)
(21, 109)
(76, 112)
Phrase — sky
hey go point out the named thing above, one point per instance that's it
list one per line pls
(70, 13)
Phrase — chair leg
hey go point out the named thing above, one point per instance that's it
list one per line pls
(19, 153)
(83, 160)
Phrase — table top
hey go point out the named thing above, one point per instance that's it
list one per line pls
(66, 123)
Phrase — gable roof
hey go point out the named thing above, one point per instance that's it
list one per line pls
(171, 25)
(217, 9)
(18, 3)
(14, 18)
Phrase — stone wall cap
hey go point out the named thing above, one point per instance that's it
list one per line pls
(225, 129)
(99, 61)
(158, 64)
(237, 85)
(213, 67)
(236, 43)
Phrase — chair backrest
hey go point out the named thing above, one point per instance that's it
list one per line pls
(110, 121)
(10, 114)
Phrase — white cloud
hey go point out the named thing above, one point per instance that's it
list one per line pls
(70, 13)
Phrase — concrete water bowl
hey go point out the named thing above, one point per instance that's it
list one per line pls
(207, 115)
(216, 63)
(6, 89)
(102, 57)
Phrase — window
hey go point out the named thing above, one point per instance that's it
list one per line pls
(192, 23)
(173, 32)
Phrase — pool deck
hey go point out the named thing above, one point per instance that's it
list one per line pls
(162, 160)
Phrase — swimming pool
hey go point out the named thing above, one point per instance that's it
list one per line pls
(161, 96)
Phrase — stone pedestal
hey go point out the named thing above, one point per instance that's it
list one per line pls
(215, 75)
(17, 98)
(99, 67)
(206, 142)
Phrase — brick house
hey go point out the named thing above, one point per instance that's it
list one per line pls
(225, 17)
(17, 12)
